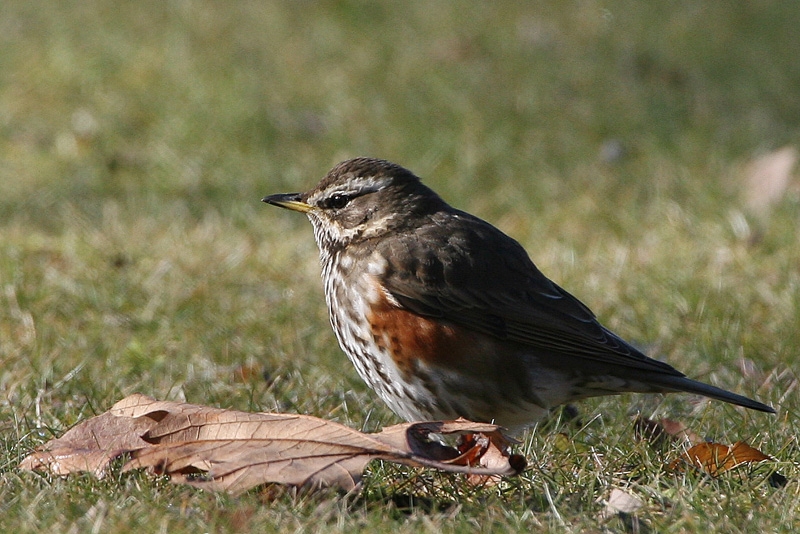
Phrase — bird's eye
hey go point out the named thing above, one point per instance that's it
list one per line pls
(336, 201)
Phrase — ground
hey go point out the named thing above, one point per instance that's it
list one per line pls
(613, 140)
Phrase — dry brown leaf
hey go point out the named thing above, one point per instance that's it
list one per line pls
(92, 444)
(234, 451)
(715, 458)
(711, 458)
(489, 449)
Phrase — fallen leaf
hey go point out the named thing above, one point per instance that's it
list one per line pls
(663, 430)
(715, 458)
(94, 443)
(767, 178)
(229, 450)
(489, 449)
(621, 502)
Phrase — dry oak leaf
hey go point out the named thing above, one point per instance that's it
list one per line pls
(92, 444)
(715, 458)
(228, 450)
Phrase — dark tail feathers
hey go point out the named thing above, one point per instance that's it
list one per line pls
(678, 383)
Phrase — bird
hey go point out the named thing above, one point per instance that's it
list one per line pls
(444, 316)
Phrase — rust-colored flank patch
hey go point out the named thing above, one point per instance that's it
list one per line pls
(411, 339)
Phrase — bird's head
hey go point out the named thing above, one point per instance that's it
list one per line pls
(360, 199)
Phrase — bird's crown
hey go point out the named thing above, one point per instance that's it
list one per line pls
(355, 178)
(364, 197)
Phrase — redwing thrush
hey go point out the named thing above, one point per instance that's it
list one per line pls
(444, 315)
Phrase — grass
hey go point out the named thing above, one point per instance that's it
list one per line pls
(609, 138)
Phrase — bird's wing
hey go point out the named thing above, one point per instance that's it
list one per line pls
(478, 277)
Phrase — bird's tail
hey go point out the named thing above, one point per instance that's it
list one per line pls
(679, 383)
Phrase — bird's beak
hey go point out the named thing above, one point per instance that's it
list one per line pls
(290, 201)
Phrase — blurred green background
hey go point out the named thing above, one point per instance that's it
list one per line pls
(611, 138)
(212, 102)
